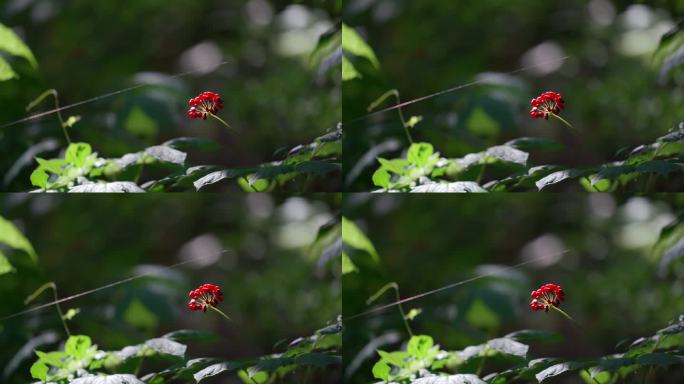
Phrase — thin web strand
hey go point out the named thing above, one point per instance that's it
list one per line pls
(104, 96)
(88, 292)
(446, 287)
(452, 89)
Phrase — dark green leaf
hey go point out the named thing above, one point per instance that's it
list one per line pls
(561, 368)
(455, 187)
(113, 187)
(532, 143)
(193, 143)
(188, 335)
(452, 379)
(560, 176)
(166, 346)
(508, 346)
(166, 154)
(509, 154)
(529, 335)
(110, 379)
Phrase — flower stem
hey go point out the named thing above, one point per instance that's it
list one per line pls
(220, 312)
(562, 312)
(563, 121)
(221, 120)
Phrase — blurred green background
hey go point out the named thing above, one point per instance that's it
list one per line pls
(619, 285)
(275, 95)
(276, 286)
(614, 91)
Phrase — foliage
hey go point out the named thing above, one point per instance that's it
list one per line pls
(465, 315)
(14, 239)
(423, 360)
(506, 168)
(280, 85)
(277, 260)
(474, 102)
(82, 362)
(82, 170)
(13, 45)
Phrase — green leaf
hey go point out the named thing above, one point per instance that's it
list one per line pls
(166, 154)
(269, 365)
(216, 369)
(529, 335)
(192, 335)
(535, 143)
(39, 370)
(113, 187)
(71, 313)
(481, 316)
(452, 379)
(77, 346)
(12, 44)
(381, 370)
(509, 347)
(660, 359)
(347, 265)
(13, 238)
(317, 167)
(397, 358)
(558, 369)
(52, 358)
(413, 313)
(140, 123)
(480, 123)
(508, 154)
(413, 121)
(55, 166)
(39, 178)
(6, 72)
(419, 153)
(560, 176)
(217, 176)
(353, 43)
(77, 153)
(71, 121)
(6, 267)
(109, 379)
(349, 72)
(166, 346)
(139, 316)
(317, 359)
(455, 187)
(194, 143)
(419, 346)
(355, 238)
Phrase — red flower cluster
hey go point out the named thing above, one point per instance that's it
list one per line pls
(546, 296)
(547, 103)
(204, 296)
(204, 104)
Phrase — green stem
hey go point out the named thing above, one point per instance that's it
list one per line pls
(562, 312)
(381, 291)
(221, 120)
(401, 310)
(137, 369)
(482, 173)
(563, 121)
(220, 312)
(40, 290)
(592, 378)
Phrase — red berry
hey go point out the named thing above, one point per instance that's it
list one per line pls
(546, 104)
